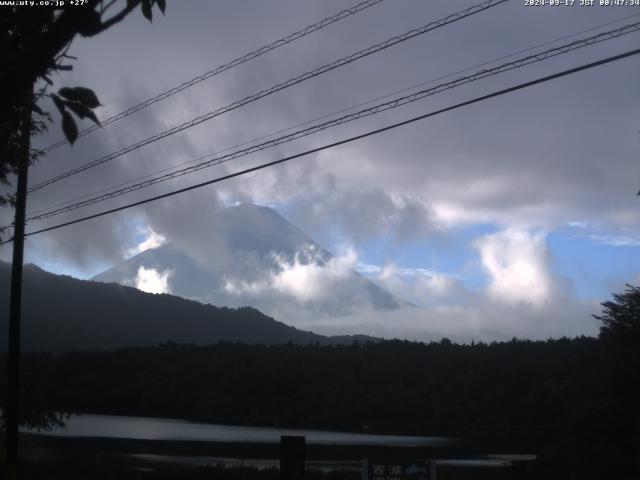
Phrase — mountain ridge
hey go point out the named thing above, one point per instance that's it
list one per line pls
(62, 313)
(265, 261)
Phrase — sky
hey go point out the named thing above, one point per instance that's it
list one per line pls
(516, 216)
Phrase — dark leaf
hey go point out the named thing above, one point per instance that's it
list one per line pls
(91, 23)
(66, 92)
(162, 5)
(37, 109)
(58, 102)
(77, 108)
(146, 9)
(91, 114)
(82, 111)
(82, 95)
(69, 127)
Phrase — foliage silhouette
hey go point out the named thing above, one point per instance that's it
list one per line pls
(553, 398)
(35, 42)
(621, 319)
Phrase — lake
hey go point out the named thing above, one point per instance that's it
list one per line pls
(143, 428)
(163, 429)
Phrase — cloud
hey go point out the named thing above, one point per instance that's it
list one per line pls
(152, 240)
(483, 321)
(517, 264)
(523, 298)
(482, 164)
(309, 279)
(596, 232)
(152, 281)
(420, 286)
(305, 278)
(84, 245)
(524, 163)
(195, 223)
(320, 193)
(617, 240)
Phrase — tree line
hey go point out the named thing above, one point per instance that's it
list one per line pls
(574, 402)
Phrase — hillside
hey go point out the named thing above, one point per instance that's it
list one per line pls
(62, 313)
(254, 256)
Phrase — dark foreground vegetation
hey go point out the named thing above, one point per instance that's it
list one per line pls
(573, 402)
(394, 386)
(76, 470)
(62, 471)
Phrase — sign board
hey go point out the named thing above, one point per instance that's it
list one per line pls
(400, 470)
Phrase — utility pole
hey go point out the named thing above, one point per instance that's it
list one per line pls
(15, 307)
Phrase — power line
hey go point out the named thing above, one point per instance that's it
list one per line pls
(222, 68)
(293, 81)
(563, 49)
(322, 117)
(342, 142)
(281, 86)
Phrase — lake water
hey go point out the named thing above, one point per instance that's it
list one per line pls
(142, 428)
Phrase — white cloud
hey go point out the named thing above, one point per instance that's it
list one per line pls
(485, 320)
(600, 234)
(152, 240)
(368, 268)
(437, 284)
(304, 278)
(517, 264)
(420, 286)
(152, 281)
(241, 287)
(449, 214)
(616, 240)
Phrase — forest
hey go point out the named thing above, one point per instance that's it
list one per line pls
(570, 398)
(572, 401)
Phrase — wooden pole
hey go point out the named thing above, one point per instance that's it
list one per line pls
(292, 457)
(15, 307)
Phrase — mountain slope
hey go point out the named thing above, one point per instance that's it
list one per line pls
(266, 262)
(62, 313)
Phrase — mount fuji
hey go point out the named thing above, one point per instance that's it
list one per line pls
(257, 259)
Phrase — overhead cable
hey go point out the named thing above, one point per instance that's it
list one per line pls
(404, 100)
(280, 86)
(223, 68)
(328, 115)
(342, 142)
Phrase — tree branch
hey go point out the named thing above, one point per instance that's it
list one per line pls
(107, 7)
(131, 5)
(41, 49)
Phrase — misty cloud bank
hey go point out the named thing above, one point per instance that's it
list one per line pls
(305, 286)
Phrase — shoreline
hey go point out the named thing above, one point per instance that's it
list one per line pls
(58, 458)
(90, 447)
